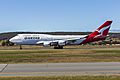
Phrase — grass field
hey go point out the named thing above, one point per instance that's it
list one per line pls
(64, 78)
(36, 54)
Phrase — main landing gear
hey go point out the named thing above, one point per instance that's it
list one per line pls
(58, 47)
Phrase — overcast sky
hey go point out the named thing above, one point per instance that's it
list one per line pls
(57, 15)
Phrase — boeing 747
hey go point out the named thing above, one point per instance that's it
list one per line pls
(58, 41)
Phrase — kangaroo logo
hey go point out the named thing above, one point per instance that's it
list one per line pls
(104, 30)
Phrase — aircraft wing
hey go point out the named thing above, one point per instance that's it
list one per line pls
(58, 42)
(45, 43)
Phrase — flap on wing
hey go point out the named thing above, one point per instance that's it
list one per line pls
(41, 42)
(72, 39)
(59, 41)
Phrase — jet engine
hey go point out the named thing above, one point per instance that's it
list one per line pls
(56, 43)
(46, 44)
(61, 42)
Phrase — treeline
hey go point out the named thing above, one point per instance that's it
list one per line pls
(6, 43)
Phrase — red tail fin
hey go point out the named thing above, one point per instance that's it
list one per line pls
(99, 34)
(102, 30)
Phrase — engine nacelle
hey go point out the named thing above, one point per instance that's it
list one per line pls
(61, 42)
(56, 43)
(46, 44)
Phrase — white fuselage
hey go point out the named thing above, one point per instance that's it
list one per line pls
(32, 39)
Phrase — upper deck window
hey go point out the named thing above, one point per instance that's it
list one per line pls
(31, 37)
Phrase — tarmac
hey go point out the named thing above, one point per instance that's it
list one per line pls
(60, 69)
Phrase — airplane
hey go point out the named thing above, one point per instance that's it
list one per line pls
(58, 41)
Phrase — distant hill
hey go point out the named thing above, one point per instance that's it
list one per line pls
(8, 35)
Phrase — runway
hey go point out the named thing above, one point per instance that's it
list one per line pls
(60, 69)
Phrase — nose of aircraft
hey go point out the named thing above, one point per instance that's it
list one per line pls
(12, 40)
(15, 39)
